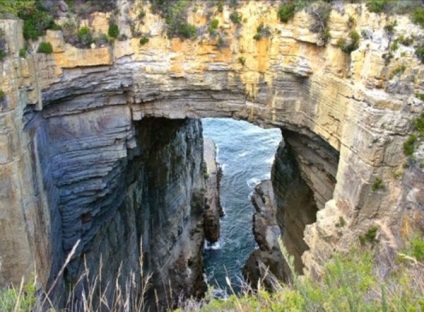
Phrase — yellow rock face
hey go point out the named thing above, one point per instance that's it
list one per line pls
(73, 57)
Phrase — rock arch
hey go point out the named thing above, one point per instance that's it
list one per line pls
(77, 105)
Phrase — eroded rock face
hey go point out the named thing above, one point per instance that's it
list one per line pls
(83, 105)
(266, 265)
(145, 201)
(213, 210)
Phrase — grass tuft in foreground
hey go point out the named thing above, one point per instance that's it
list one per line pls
(351, 282)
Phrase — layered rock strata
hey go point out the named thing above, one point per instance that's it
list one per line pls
(79, 105)
(266, 265)
(213, 210)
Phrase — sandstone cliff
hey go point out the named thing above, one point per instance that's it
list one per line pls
(68, 129)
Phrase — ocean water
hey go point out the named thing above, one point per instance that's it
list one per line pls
(245, 153)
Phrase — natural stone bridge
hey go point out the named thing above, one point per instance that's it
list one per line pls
(89, 150)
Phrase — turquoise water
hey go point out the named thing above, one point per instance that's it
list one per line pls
(245, 153)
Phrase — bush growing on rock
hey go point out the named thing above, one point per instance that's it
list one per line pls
(85, 38)
(213, 26)
(22, 53)
(351, 45)
(261, 32)
(36, 20)
(187, 31)
(2, 45)
(235, 17)
(419, 52)
(144, 40)
(2, 95)
(286, 12)
(378, 184)
(419, 125)
(418, 16)
(12, 8)
(376, 6)
(409, 145)
(45, 47)
(176, 18)
(113, 30)
(320, 12)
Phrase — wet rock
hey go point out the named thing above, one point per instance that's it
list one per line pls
(213, 210)
(266, 265)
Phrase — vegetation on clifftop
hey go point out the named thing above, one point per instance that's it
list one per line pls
(357, 281)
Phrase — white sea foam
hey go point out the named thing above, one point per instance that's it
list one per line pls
(215, 246)
(252, 182)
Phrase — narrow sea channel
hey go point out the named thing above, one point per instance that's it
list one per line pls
(245, 153)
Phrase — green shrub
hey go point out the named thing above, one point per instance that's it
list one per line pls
(22, 53)
(45, 47)
(2, 44)
(378, 185)
(406, 41)
(419, 52)
(349, 282)
(420, 96)
(390, 28)
(376, 6)
(341, 222)
(242, 60)
(12, 8)
(220, 6)
(13, 299)
(398, 70)
(409, 145)
(176, 19)
(2, 95)
(85, 38)
(36, 21)
(387, 58)
(394, 46)
(351, 45)
(3, 52)
(141, 14)
(369, 236)
(187, 31)
(213, 26)
(351, 22)
(261, 32)
(235, 17)
(417, 249)
(144, 40)
(419, 124)
(286, 12)
(113, 30)
(418, 16)
(320, 13)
